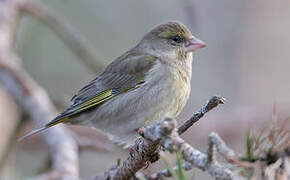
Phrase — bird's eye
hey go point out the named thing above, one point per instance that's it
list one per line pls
(177, 39)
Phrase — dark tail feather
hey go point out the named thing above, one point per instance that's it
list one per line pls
(35, 131)
(54, 122)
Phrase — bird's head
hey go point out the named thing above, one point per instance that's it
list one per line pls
(172, 39)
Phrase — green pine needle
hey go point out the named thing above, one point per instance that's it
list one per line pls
(180, 171)
(249, 142)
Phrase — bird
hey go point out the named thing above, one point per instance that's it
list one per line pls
(144, 85)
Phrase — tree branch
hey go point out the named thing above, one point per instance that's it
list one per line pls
(210, 104)
(10, 124)
(32, 97)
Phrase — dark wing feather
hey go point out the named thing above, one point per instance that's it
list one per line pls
(108, 81)
(125, 72)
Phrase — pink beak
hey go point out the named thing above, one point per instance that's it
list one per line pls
(193, 44)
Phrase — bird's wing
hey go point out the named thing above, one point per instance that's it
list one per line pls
(84, 103)
(122, 75)
(125, 72)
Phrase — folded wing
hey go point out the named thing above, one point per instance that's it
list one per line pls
(124, 74)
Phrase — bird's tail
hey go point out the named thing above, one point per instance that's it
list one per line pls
(54, 122)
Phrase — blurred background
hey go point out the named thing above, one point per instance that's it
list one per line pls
(246, 61)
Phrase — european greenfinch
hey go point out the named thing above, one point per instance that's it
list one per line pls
(149, 82)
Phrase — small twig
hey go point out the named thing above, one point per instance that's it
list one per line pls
(166, 134)
(221, 147)
(227, 153)
(211, 152)
(212, 103)
(166, 173)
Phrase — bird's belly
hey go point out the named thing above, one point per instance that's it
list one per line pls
(121, 117)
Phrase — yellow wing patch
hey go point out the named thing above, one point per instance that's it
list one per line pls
(98, 99)
(90, 103)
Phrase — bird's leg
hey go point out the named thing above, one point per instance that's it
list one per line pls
(155, 156)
